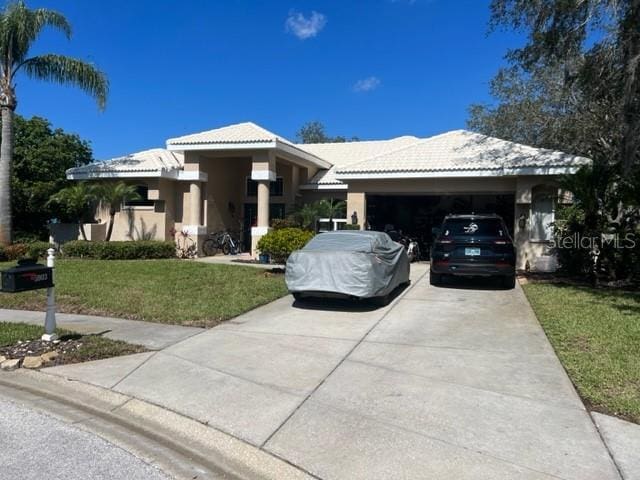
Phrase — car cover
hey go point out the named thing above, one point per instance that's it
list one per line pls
(362, 264)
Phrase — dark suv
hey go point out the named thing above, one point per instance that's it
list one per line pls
(473, 245)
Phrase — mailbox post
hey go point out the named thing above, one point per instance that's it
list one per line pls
(28, 275)
(50, 318)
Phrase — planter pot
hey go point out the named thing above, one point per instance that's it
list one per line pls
(263, 258)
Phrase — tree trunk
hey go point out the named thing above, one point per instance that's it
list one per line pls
(630, 39)
(6, 154)
(82, 232)
(110, 227)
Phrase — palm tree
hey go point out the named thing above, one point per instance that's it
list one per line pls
(113, 195)
(19, 28)
(332, 209)
(74, 202)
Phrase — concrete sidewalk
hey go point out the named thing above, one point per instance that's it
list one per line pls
(242, 259)
(153, 336)
(444, 383)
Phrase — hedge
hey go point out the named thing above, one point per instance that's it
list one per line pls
(134, 250)
(38, 249)
(279, 244)
(16, 251)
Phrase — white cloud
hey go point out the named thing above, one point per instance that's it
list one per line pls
(366, 84)
(303, 27)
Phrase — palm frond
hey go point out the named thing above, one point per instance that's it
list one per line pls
(20, 26)
(69, 71)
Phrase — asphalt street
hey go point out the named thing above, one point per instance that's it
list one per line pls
(37, 446)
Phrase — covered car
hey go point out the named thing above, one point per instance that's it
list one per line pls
(349, 263)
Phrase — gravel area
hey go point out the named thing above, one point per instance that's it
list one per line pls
(37, 347)
(34, 446)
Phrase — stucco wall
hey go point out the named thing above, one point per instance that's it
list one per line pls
(142, 222)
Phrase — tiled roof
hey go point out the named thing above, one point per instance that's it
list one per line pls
(348, 153)
(461, 150)
(156, 159)
(247, 132)
(455, 151)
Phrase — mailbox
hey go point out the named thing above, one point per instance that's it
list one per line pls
(27, 275)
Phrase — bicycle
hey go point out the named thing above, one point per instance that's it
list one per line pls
(221, 241)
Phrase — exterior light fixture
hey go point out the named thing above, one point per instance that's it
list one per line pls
(522, 221)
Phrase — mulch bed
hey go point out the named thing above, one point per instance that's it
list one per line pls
(65, 345)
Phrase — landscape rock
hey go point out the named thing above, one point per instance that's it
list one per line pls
(32, 362)
(11, 364)
(49, 356)
(2, 358)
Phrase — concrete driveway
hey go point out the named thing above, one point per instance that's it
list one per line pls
(451, 383)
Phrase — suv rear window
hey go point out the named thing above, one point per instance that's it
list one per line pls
(478, 227)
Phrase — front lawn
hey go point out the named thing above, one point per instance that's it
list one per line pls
(72, 347)
(596, 334)
(165, 291)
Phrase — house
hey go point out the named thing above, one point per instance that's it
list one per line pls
(241, 176)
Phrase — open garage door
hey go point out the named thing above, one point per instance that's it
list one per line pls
(415, 215)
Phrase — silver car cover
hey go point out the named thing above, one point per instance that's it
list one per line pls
(362, 264)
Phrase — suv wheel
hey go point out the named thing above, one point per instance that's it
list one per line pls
(435, 278)
(509, 282)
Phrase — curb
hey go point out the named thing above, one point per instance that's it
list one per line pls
(177, 445)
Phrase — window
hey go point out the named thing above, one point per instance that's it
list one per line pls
(481, 227)
(276, 188)
(542, 216)
(143, 192)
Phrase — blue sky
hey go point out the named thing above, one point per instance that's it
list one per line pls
(374, 69)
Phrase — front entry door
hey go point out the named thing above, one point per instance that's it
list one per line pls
(250, 219)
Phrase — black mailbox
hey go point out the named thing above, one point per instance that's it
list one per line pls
(28, 275)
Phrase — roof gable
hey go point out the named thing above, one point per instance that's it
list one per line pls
(239, 133)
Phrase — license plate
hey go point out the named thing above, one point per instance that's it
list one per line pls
(472, 252)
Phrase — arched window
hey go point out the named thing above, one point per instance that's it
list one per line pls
(542, 215)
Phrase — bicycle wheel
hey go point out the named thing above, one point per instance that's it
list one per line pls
(226, 248)
(210, 247)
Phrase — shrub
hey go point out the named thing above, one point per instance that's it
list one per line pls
(38, 249)
(280, 223)
(134, 250)
(16, 251)
(25, 237)
(279, 244)
(3, 255)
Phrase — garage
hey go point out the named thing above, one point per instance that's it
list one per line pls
(415, 215)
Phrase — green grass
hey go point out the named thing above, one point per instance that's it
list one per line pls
(596, 334)
(11, 333)
(165, 291)
(93, 347)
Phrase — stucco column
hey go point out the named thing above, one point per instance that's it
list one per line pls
(263, 203)
(295, 184)
(195, 203)
(357, 202)
(263, 171)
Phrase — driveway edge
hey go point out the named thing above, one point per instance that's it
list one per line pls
(176, 444)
